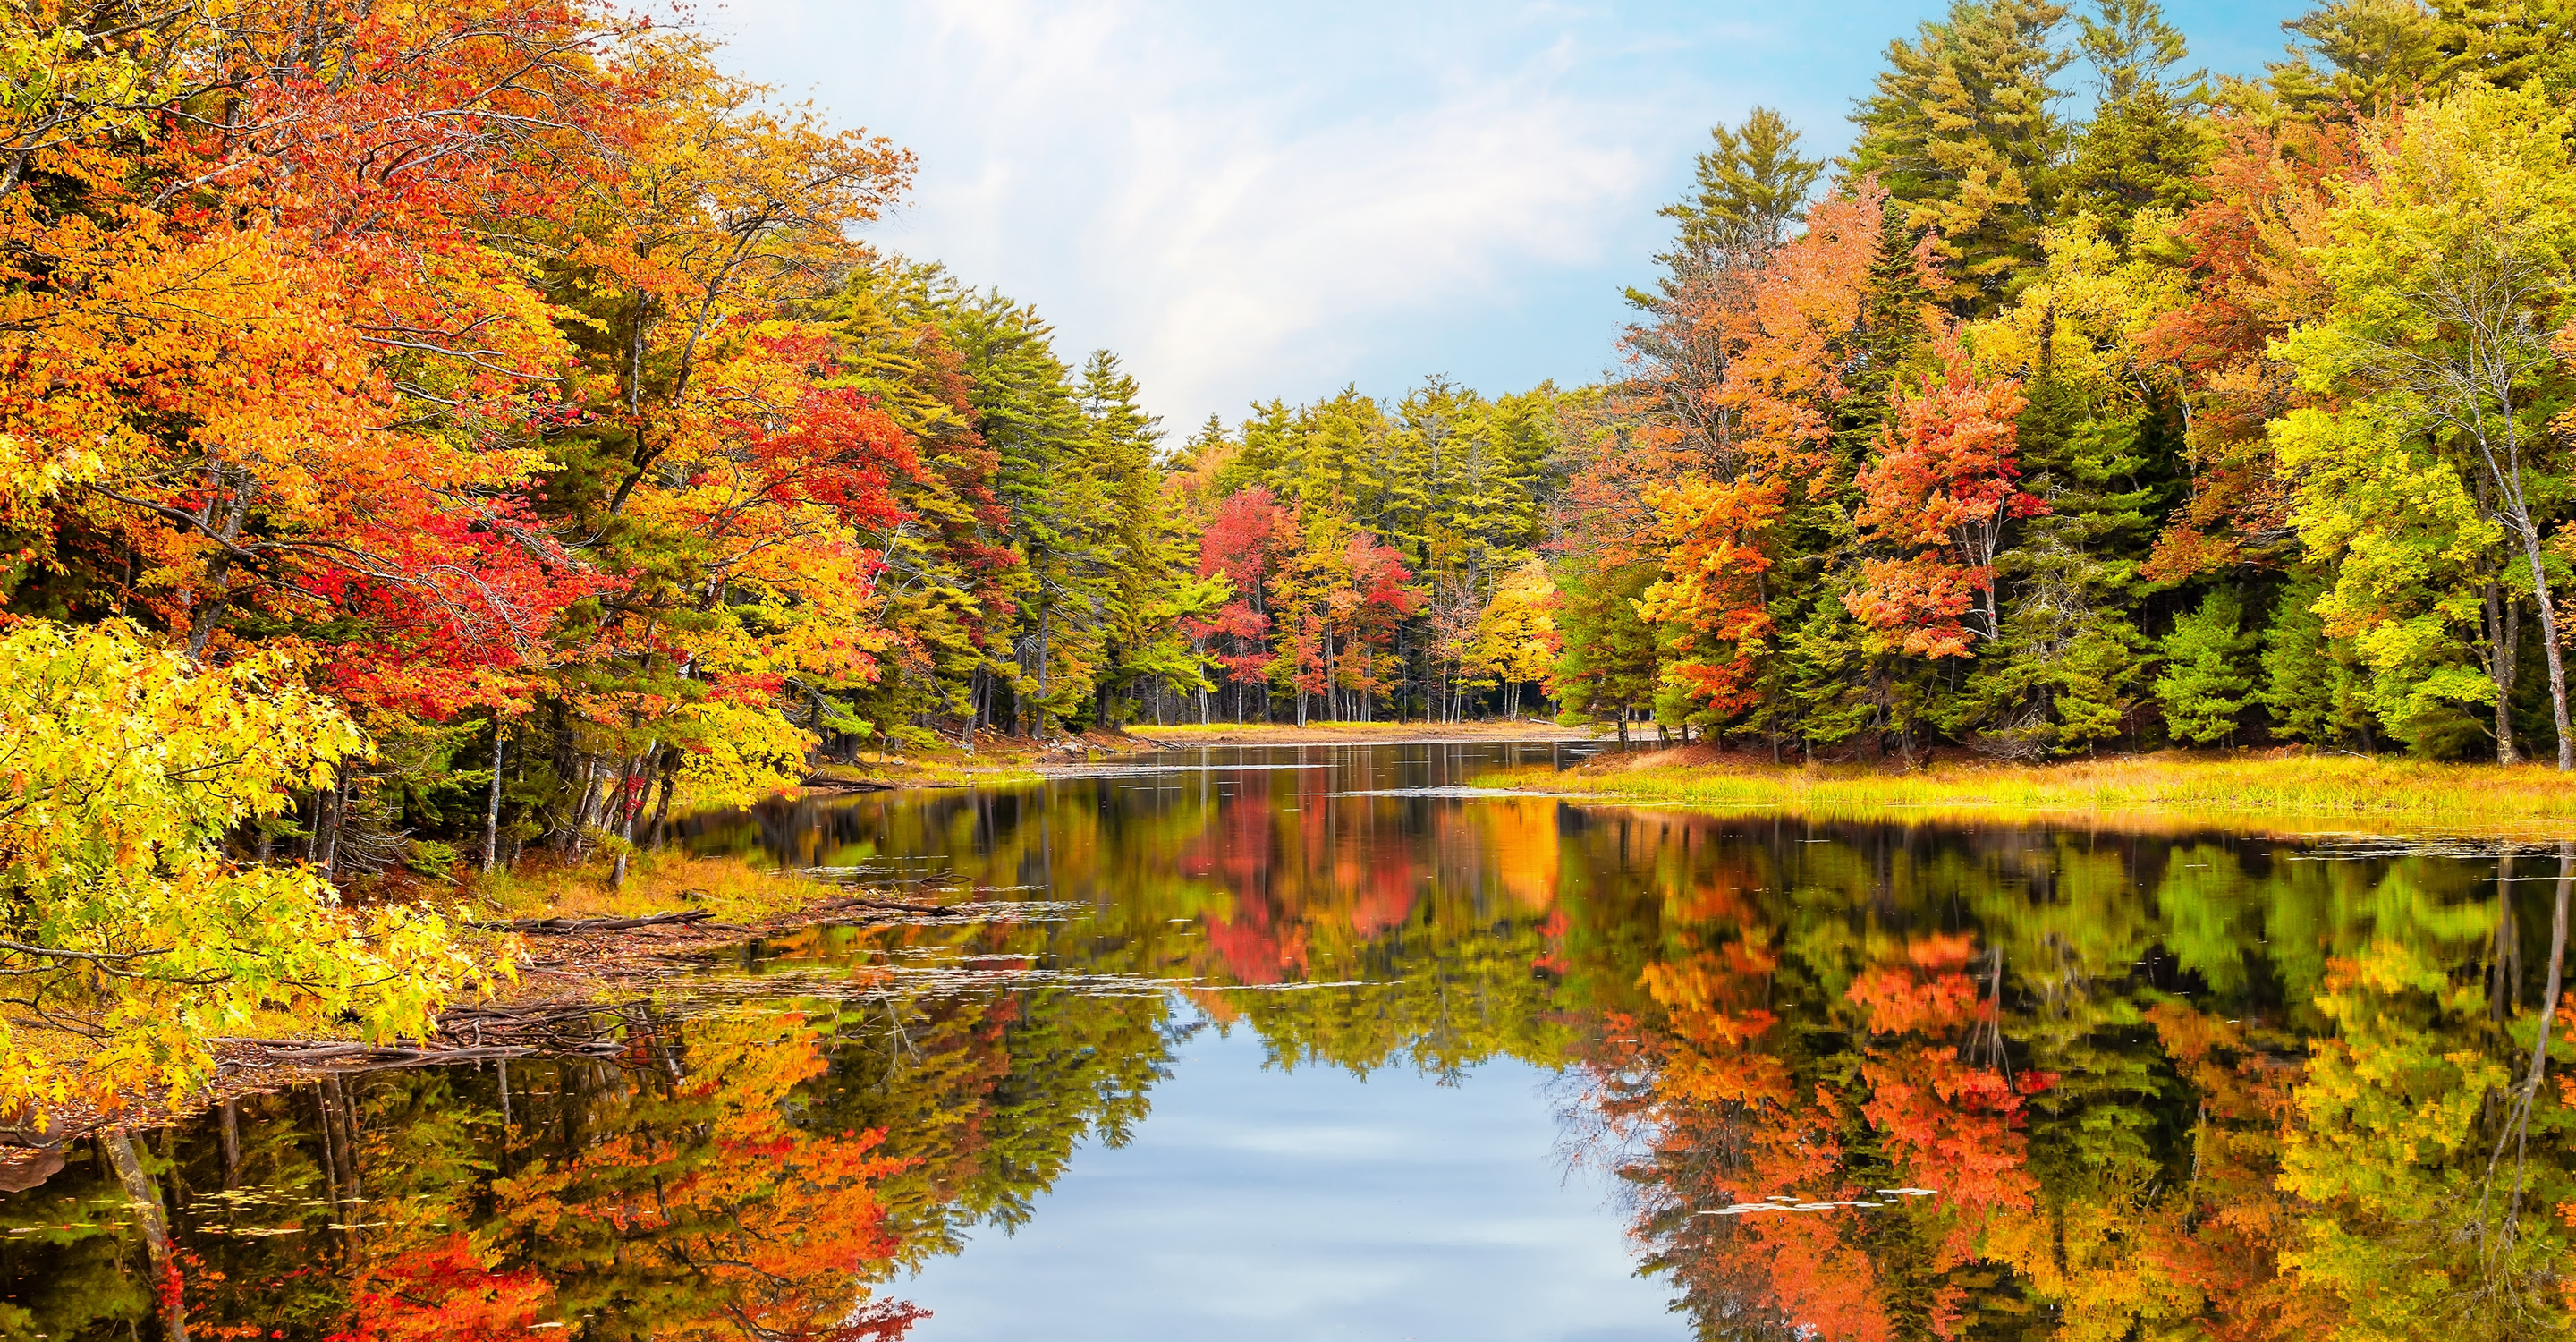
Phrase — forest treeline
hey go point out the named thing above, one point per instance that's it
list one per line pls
(2234, 411)
(432, 433)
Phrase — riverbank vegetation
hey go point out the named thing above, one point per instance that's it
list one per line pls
(2277, 792)
(2231, 415)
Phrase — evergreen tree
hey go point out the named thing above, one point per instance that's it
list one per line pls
(950, 580)
(1830, 674)
(2508, 43)
(1024, 406)
(2061, 677)
(2146, 145)
(2358, 58)
(1750, 186)
(1961, 131)
(2206, 682)
(1607, 670)
(1145, 588)
(2312, 686)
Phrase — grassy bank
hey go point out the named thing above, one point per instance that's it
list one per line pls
(1340, 733)
(2298, 794)
(728, 888)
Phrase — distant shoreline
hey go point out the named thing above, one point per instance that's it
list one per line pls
(1359, 733)
(2276, 791)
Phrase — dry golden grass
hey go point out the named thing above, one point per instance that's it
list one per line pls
(656, 882)
(1324, 733)
(2307, 794)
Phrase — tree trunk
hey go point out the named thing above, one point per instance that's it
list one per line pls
(492, 804)
(2501, 651)
(670, 764)
(2505, 985)
(154, 1225)
(334, 812)
(212, 603)
(1330, 710)
(2549, 644)
(2518, 1128)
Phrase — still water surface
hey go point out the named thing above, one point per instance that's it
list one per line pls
(1326, 1043)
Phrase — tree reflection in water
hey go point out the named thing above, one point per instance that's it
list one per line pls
(1861, 1081)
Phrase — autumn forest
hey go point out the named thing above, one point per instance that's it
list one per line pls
(447, 446)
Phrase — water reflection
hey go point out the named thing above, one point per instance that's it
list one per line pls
(1860, 1081)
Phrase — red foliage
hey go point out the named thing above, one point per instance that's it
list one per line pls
(1944, 483)
(443, 1292)
(1245, 541)
(2250, 284)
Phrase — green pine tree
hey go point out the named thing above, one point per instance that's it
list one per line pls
(1146, 584)
(1750, 186)
(1962, 132)
(2313, 687)
(1608, 670)
(2147, 143)
(2207, 681)
(2359, 58)
(1831, 674)
(2508, 43)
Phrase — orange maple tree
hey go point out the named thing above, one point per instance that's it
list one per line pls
(1944, 483)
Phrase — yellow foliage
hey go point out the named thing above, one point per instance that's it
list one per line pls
(743, 753)
(129, 931)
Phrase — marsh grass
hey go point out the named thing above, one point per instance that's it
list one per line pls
(728, 887)
(2299, 794)
(1289, 733)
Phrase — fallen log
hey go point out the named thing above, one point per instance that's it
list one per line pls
(363, 1056)
(559, 927)
(470, 1033)
(885, 905)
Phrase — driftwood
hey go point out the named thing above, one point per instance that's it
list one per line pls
(818, 783)
(564, 927)
(477, 1033)
(885, 905)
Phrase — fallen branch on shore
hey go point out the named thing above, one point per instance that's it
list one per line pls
(560, 927)
(886, 905)
(476, 1033)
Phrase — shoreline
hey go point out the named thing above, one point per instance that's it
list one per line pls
(1359, 733)
(2278, 792)
(675, 910)
(554, 980)
(1013, 761)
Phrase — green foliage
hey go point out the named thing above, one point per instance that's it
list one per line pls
(1749, 186)
(2313, 686)
(1607, 670)
(1961, 132)
(2146, 146)
(2359, 56)
(2208, 679)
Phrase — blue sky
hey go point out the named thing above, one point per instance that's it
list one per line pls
(1248, 201)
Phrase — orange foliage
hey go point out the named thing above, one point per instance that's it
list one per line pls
(1712, 589)
(771, 1226)
(1736, 384)
(2267, 195)
(445, 1292)
(1942, 487)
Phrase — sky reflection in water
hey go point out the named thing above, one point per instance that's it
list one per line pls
(1259, 1205)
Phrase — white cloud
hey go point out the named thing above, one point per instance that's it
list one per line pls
(1236, 221)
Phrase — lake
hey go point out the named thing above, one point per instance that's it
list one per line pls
(1329, 1043)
